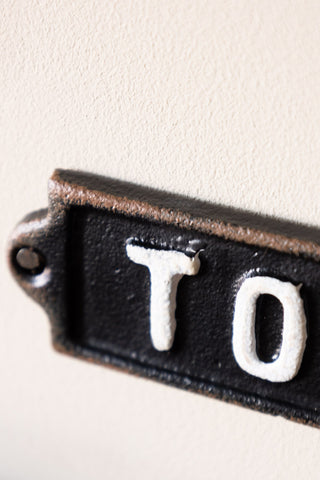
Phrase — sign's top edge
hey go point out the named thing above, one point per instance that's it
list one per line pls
(75, 187)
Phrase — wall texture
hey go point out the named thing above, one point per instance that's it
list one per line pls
(219, 100)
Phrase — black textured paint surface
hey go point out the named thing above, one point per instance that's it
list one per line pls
(109, 304)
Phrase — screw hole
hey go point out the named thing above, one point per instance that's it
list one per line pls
(29, 260)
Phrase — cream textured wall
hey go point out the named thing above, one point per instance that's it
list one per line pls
(216, 99)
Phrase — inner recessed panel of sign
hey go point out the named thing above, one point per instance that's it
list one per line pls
(108, 301)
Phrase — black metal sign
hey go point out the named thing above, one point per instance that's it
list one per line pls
(177, 290)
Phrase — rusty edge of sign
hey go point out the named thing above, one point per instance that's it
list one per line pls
(64, 185)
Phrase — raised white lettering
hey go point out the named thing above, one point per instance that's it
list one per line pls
(166, 268)
(294, 333)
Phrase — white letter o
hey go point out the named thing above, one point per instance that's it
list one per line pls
(294, 333)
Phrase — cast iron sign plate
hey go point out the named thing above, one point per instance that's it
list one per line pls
(200, 297)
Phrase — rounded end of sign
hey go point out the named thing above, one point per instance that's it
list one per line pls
(27, 262)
